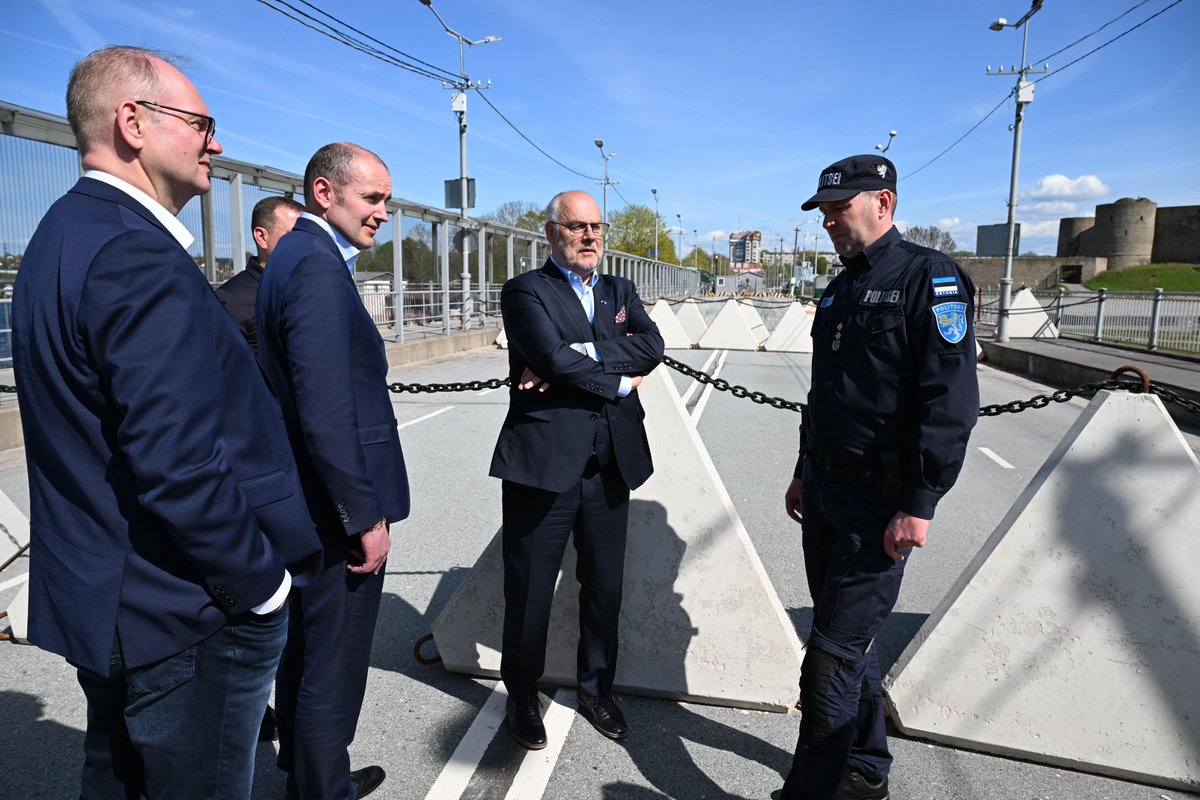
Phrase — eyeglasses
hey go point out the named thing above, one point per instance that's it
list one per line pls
(577, 229)
(203, 124)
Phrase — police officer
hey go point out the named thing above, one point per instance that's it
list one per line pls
(894, 397)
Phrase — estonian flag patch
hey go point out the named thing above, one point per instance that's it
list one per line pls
(945, 287)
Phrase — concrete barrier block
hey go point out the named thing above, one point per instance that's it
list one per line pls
(1073, 638)
(674, 336)
(700, 620)
(793, 334)
(692, 320)
(502, 340)
(729, 331)
(1028, 320)
(755, 321)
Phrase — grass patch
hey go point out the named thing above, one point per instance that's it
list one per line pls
(1168, 277)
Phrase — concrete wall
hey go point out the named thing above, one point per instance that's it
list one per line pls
(1177, 235)
(1035, 272)
(1124, 232)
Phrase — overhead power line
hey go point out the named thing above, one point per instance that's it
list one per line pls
(1054, 72)
(532, 143)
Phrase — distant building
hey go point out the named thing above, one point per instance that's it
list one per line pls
(1131, 232)
(745, 250)
(992, 240)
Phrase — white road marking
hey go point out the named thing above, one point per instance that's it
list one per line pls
(462, 764)
(708, 389)
(11, 582)
(538, 765)
(695, 385)
(489, 391)
(404, 425)
(996, 458)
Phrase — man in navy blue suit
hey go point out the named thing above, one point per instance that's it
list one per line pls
(570, 450)
(165, 507)
(324, 357)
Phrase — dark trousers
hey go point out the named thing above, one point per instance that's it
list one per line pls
(323, 677)
(854, 585)
(186, 726)
(537, 524)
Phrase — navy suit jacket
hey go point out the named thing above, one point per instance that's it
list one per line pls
(547, 437)
(163, 494)
(324, 356)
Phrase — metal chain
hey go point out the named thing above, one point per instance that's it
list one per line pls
(468, 386)
(722, 385)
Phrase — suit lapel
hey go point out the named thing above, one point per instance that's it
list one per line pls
(568, 300)
(605, 307)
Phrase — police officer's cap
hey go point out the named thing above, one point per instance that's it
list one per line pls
(848, 177)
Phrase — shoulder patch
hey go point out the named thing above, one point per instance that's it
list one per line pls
(951, 321)
(945, 287)
(827, 301)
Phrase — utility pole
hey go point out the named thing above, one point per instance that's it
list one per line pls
(458, 104)
(606, 181)
(1024, 93)
(654, 253)
(795, 243)
(679, 255)
(695, 250)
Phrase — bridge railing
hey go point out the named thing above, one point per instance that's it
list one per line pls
(445, 276)
(1156, 321)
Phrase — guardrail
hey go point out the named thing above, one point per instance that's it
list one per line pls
(1155, 321)
(449, 280)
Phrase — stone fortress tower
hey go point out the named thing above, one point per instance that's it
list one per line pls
(1133, 231)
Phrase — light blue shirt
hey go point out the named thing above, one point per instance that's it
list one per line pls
(348, 250)
(587, 299)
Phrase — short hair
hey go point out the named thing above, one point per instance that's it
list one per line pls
(334, 163)
(263, 215)
(102, 78)
(895, 197)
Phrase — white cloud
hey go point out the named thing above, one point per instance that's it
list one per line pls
(1060, 187)
(1039, 230)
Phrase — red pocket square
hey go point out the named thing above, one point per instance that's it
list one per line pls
(620, 316)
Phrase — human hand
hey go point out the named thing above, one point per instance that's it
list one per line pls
(635, 381)
(904, 533)
(793, 500)
(529, 380)
(372, 550)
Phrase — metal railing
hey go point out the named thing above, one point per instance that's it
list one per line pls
(1155, 321)
(453, 284)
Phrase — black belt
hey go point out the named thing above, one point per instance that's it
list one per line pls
(862, 469)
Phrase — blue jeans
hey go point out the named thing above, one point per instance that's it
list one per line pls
(186, 726)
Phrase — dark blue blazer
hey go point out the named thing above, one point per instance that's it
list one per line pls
(324, 356)
(547, 437)
(163, 494)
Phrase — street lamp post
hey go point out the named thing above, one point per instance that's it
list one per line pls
(883, 148)
(458, 104)
(654, 253)
(606, 181)
(679, 254)
(695, 250)
(1024, 93)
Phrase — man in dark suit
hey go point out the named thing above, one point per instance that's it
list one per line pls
(271, 218)
(164, 502)
(570, 450)
(325, 359)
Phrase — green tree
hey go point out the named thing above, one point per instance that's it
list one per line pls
(524, 214)
(632, 232)
(418, 260)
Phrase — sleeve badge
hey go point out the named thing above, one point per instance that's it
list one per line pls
(951, 321)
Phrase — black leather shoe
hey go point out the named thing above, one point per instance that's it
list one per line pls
(604, 714)
(367, 779)
(523, 719)
(856, 786)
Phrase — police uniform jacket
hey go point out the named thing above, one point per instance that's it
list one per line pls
(893, 375)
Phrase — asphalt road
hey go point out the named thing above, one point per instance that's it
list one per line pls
(416, 716)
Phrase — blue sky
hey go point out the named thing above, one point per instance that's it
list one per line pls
(730, 110)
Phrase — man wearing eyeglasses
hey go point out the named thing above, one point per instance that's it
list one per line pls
(570, 450)
(166, 512)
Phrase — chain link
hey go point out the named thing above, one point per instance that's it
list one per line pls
(722, 385)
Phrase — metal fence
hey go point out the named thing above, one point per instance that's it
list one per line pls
(445, 274)
(1157, 320)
